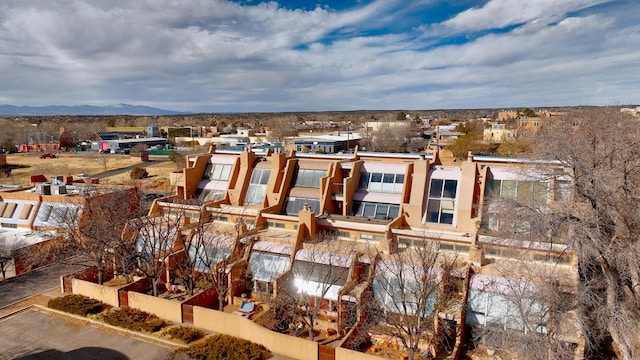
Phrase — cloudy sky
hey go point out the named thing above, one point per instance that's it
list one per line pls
(237, 56)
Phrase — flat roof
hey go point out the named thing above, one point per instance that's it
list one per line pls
(142, 140)
(14, 239)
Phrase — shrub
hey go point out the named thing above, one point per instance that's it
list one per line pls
(183, 333)
(138, 173)
(5, 170)
(77, 304)
(134, 319)
(227, 347)
(178, 159)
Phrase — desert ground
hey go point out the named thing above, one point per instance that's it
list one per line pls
(25, 165)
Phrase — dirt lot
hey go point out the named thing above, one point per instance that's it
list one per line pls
(26, 165)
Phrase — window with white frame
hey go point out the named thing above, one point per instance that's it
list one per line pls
(206, 195)
(257, 186)
(405, 298)
(381, 182)
(207, 256)
(293, 205)
(375, 210)
(441, 201)
(490, 308)
(309, 178)
(530, 192)
(220, 172)
(265, 268)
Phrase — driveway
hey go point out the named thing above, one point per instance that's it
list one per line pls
(34, 282)
(35, 335)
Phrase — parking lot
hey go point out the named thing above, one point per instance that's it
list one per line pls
(36, 335)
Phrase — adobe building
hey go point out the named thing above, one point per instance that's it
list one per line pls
(282, 207)
(31, 216)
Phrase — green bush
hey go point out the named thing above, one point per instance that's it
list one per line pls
(77, 304)
(134, 319)
(184, 333)
(178, 159)
(138, 173)
(227, 347)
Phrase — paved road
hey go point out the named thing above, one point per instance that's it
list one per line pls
(35, 282)
(35, 335)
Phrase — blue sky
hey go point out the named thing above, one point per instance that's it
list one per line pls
(249, 55)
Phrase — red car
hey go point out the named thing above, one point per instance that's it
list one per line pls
(48, 156)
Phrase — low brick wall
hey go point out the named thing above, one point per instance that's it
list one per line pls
(236, 325)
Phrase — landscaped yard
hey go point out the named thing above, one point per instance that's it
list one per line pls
(89, 164)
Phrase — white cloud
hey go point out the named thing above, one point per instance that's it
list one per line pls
(222, 56)
(497, 14)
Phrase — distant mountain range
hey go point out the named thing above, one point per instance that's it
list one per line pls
(51, 110)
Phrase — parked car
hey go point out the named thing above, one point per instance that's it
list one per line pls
(48, 156)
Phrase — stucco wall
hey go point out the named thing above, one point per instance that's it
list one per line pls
(166, 309)
(235, 325)
(106, 294)
(346, 354)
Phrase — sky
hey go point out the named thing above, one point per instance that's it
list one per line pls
(332, 55)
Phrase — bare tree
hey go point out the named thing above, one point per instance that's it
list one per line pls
(154, 238)
(409, 288)
(599, 149)
(524, 309)
(388, 138)
(281, 127)
(94, 230)
(318, 273)
(9, 247)
(206, 258)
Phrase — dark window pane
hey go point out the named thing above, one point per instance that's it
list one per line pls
(436, 188)
(450, 188)
(393, 211)
(446, 218)
(265, 176)
(369, 210)
(357, 208)
(433, 211)
(381, 211)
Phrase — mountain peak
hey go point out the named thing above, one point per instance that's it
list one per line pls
(51, 110)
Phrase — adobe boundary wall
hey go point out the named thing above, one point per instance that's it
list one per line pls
(106, 294)
(166, 309)
(236, 325)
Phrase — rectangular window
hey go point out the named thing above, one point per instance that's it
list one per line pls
(219, 172)
(26, 210)
(257, 186)
(211, 195)
(9, 210)
(376, 182)
(399, 181)
(381, 182)
(309, 178)
(375, 210)
(441, 201)
(387, 183)
(529, 192)
(293, 205)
